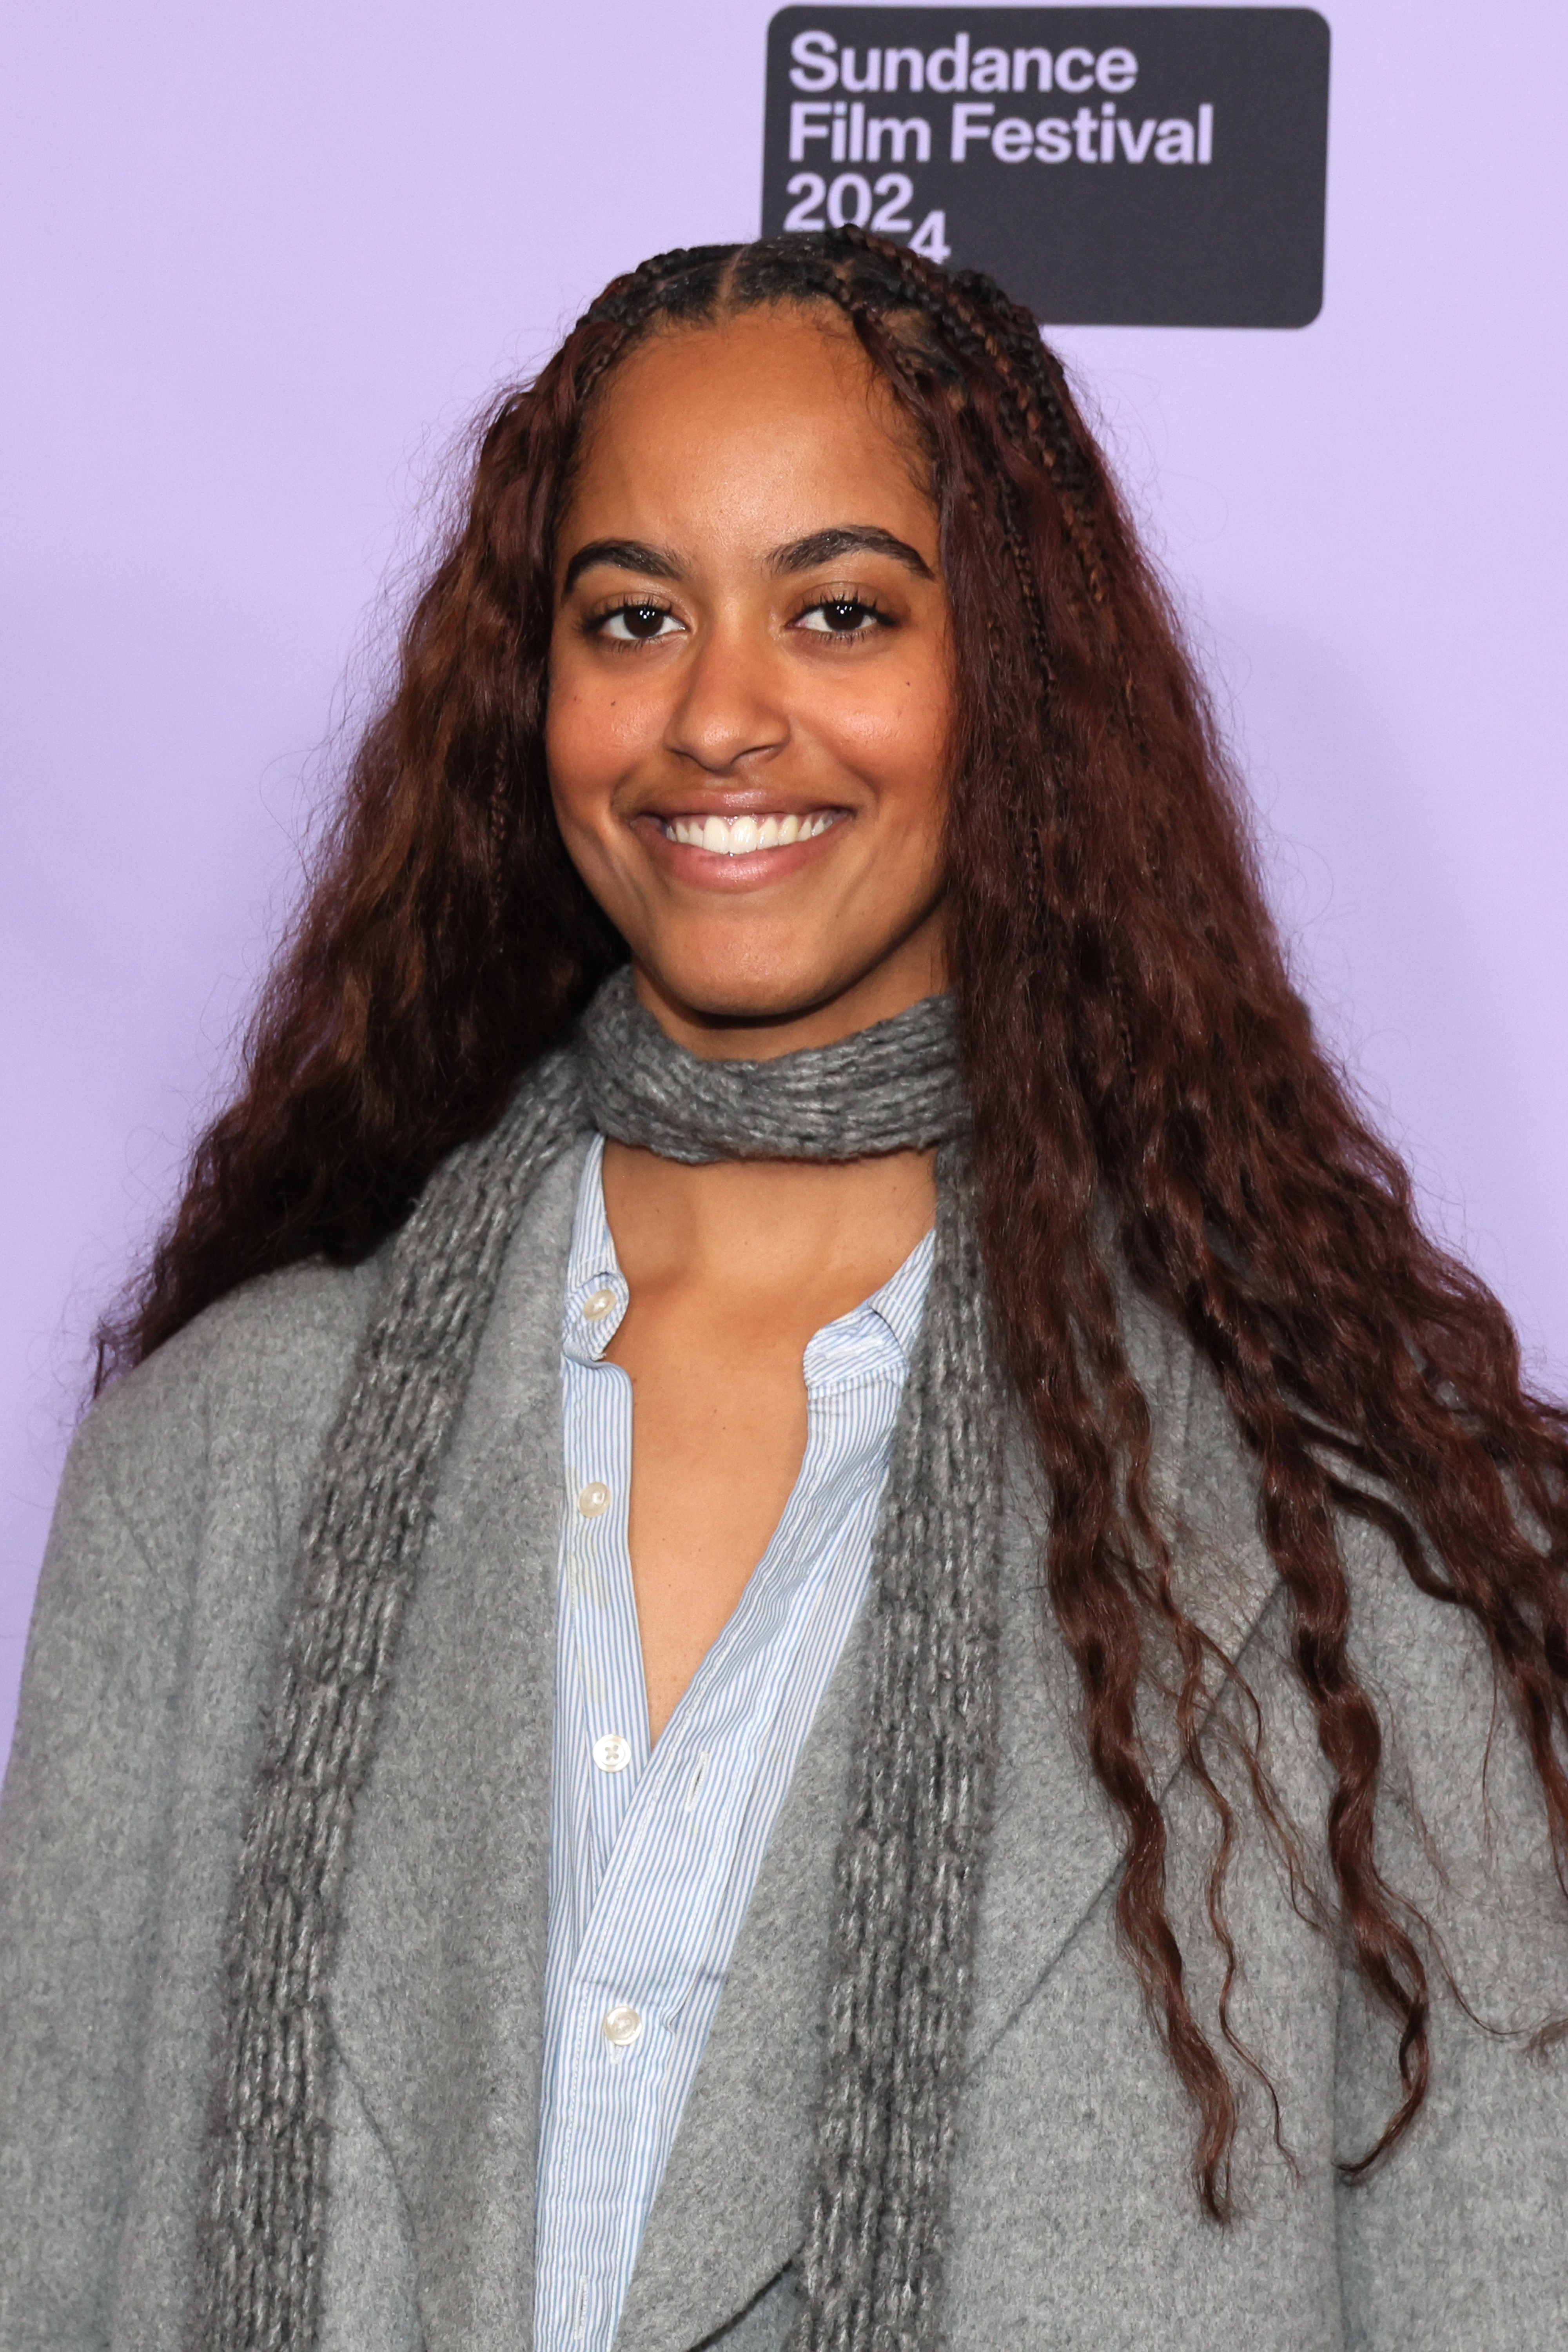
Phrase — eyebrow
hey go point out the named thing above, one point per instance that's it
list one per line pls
(847, 538)
(795, 555)
(625, 555)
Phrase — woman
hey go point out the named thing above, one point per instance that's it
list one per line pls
(1037, 1815)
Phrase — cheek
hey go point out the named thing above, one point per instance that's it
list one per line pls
(594, 732)
(897, 738)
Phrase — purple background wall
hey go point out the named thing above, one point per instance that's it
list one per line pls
(260, 266)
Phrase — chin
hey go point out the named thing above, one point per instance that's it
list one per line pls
(723, 985)
(730, 996)
(769, 973)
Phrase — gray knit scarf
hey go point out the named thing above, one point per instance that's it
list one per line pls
(914, 1836)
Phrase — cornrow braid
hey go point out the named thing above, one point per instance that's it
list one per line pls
(969, 312)
(866, 296)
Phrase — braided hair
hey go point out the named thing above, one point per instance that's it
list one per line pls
(1146, 1087)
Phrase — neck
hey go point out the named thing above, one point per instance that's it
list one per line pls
(815, 1236)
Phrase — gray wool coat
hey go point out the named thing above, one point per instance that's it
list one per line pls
(1074, 2222)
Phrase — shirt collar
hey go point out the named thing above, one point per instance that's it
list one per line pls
(901, 1302)
(884, 1325)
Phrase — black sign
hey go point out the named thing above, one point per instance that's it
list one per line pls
(1151, 167)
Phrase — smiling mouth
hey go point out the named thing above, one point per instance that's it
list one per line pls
(742, 836)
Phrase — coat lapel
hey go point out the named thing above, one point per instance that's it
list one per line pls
(438, 1992)
(1056, 1843)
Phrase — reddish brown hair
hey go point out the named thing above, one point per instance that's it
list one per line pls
(1133, 1047)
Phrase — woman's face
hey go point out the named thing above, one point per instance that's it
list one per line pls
(750, 683)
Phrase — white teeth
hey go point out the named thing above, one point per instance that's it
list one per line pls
(738, 837)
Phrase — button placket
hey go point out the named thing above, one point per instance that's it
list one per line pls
(594, 1574)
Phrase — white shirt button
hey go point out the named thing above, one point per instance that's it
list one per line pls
(612, 1753)
(598, 1304)
(622, 2027)
(594, 1498)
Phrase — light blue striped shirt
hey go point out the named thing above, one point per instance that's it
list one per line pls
(653, 1854)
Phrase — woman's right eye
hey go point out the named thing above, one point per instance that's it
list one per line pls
(636, 624)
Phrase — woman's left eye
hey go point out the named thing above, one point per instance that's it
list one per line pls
(839, 616)
(636, 624)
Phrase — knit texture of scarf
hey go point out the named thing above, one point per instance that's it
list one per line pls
(914, 1835)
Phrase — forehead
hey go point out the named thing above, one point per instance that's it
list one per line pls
(761, 427)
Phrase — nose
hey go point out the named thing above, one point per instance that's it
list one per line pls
(730, 708)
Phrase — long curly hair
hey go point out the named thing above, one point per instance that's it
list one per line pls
(1147, 1090)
